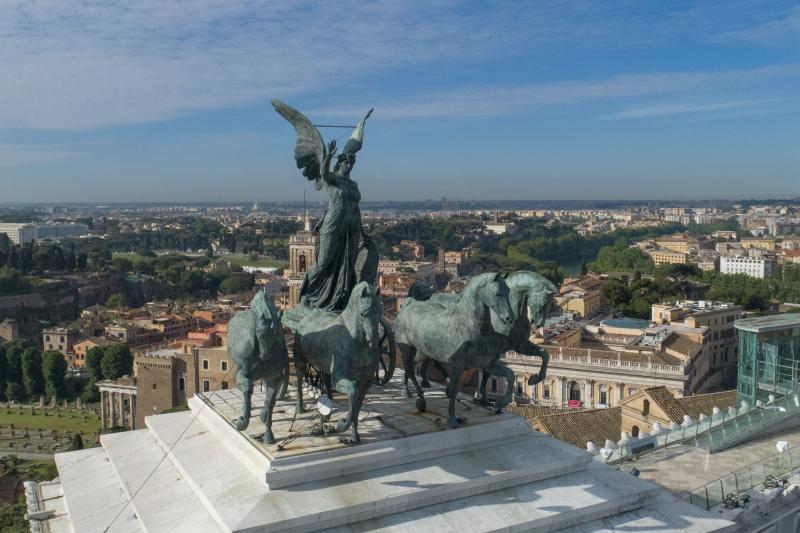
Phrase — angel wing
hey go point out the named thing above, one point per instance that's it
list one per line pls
(356, 139)
(309, 150)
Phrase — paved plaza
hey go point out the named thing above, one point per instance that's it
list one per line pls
(685, 468)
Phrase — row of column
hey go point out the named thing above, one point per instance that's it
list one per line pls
(587, 395)
(113, 403)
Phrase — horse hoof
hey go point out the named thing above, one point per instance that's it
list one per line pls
(421, 405)
(299, 408)
(452, 422)
(425, 384)
(268, 438)
(483, 403)
(242, 423)
(534, 379)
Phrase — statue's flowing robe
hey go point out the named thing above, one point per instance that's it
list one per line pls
(328, 283)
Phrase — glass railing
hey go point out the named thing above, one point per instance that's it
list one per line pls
(747, 478)
(714, 433)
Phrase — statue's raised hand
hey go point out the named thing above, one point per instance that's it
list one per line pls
(331, 148)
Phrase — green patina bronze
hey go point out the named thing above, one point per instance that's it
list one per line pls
(256, 345)
(344, 346)
(458, 334)
(531, 297)
(346, 253)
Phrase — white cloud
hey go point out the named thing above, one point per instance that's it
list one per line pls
(15, 155)
(83, 64)
(499, 100)
(662, 110)
(773, 32)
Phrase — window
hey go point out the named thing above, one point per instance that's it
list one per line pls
(205, 364)
(62, 338)
(223, 366)
(635, 431)
(546, 391)
(206, 385)
(519, 387)
(154, 386)
(646, 408)
(604, 394)
(224, 385)
(47, 338)
(574, 391)
(181, 383)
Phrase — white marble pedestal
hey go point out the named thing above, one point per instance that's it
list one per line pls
(192, 471)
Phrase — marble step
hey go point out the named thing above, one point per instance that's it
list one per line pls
(284, 470)
(666, 514)
(241, 503)
(87, 478)
(569, 501)
(147, 476)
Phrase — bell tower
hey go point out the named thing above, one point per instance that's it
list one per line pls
(303, 249)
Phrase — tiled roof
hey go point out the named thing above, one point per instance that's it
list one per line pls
(705, 403)
(667, 402)
(579, 427)
(681, 344)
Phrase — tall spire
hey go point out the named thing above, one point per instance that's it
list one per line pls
(306, 221)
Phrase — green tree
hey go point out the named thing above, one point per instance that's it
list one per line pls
(117, 301)
(117, 362)
(94, 359)
(237, 283)
(32, 376)
(2, 372)
(14, 386)
(615, 292)
(54, 368)
(77, 442)
(584, 268)
(90, 394)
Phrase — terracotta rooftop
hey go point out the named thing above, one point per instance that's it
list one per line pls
(705, 403)
(667, 402)
(579, 427)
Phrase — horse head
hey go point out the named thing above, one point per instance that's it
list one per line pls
(493, 293)
(367, 313)
(538, 291)
(265, 310)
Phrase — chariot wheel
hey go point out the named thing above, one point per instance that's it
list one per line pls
(388, 358)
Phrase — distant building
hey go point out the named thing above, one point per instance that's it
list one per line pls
(756, 267)
(80, 349)
(661, 257)
(9, 329)
(60, 231)
(501, 228)
(60, 340)
(18, 233)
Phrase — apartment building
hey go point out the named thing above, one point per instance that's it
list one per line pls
(756, 267)
(18, 233)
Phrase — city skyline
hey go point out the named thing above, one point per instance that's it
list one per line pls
(622, 101)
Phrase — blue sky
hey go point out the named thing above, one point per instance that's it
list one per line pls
(104, 100)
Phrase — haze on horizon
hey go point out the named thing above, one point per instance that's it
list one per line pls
(150, 101)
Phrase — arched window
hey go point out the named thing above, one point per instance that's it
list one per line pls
(519, 387)
(301, 263)
(635, 431)
(574, 391)
(646, 408)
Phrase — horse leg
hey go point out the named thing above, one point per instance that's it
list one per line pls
(452, 392)
(484, 401)
(283, 393)
(244, 384)
(409, 352)
(273, 385)
(404, 354)
(361, 393)
(327, 385)
(299, 375)
(347, 387)
(499, 369)
(423, 373)
(541, 352)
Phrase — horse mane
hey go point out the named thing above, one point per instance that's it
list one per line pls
(350, 315)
